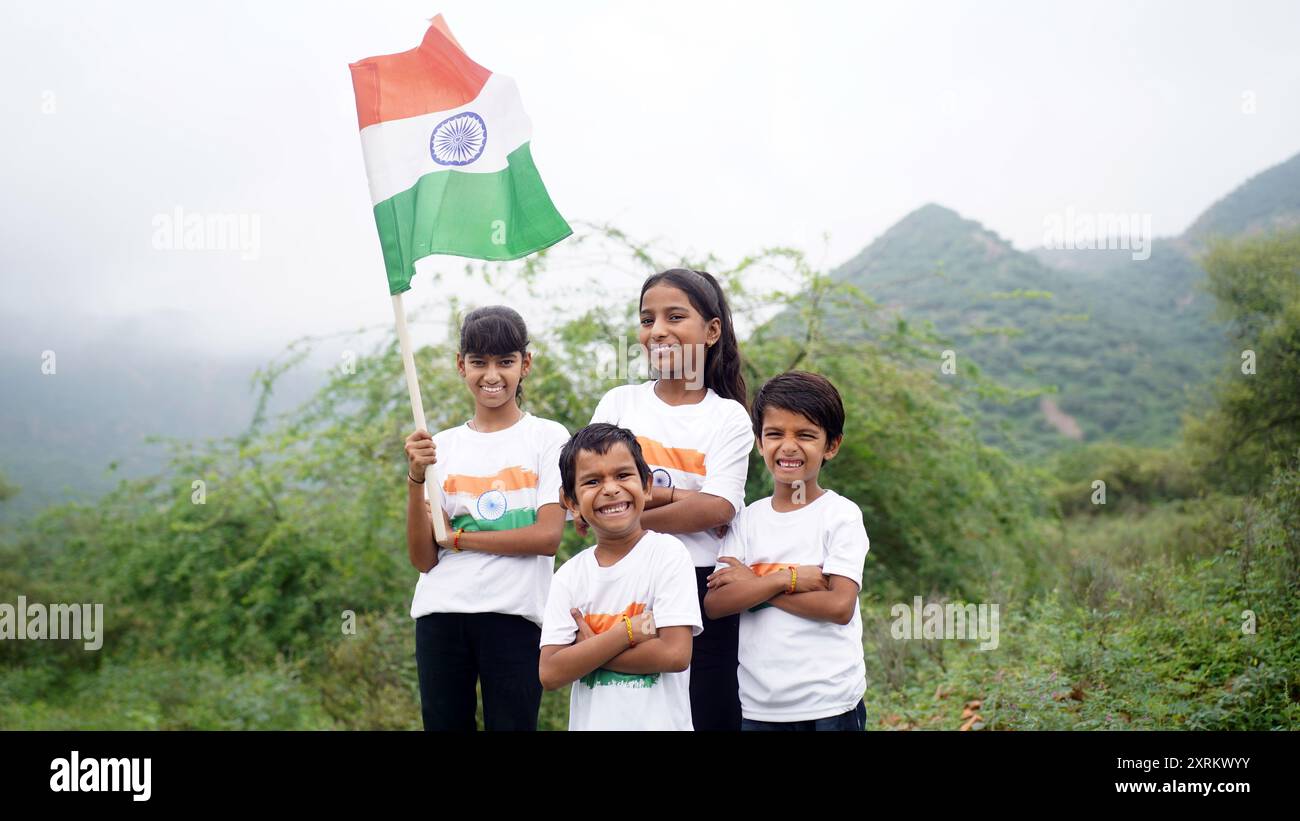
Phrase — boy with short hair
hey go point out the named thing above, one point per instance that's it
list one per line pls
(621, 615)
(791, 564)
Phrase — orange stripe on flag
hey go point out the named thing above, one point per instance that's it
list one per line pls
(441, 25)
(511, 478)
(683, 459)
(434, 76)
(600, 622)
(764, 568)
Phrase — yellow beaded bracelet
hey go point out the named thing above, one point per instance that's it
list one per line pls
(630, 639)
(794, 577)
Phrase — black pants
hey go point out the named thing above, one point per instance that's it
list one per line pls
(454, 650)
(715, 692)
(852, 720)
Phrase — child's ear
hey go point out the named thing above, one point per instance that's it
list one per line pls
(833, 448)
(460, 364)
(713, 332)
(525, 364)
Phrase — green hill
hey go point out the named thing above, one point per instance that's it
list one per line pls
(1270, 199)
(1117, 346)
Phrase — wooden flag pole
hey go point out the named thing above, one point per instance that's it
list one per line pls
(432, 491)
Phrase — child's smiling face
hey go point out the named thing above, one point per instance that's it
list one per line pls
(793, 446)
(609, 490)
(669, 324)
(492, 379)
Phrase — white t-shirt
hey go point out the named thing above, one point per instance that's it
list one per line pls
(702, 447)
(794, 668)
(655, 575)
(493, 481)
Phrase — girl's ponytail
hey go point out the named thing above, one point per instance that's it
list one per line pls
(722, 362)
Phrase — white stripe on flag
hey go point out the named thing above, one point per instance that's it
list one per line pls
(397, 151)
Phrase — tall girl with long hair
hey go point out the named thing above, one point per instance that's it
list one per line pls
(479, 601)
(694, 429)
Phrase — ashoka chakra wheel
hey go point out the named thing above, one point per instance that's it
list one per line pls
(492, 505)
(459, 139)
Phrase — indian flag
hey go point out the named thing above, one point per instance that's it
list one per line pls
(446, 146)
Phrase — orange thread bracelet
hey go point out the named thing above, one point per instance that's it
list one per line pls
(455, 539)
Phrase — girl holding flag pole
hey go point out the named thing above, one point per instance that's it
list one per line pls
(694, 429)
(448, 158)
(482, 591)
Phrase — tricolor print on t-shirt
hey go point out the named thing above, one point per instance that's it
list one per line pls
(600, 677)
(660, 456)
(502, 501)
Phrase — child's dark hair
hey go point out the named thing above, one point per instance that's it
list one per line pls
(598, 437)
(809, 394)
(722, 362)
(494, 330)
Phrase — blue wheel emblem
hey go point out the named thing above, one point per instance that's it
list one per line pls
(459, 139)
(492, 505)
(661, 478)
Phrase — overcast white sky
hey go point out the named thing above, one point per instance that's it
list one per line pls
(713, 125)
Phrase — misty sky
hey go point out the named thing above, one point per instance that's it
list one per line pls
(714, 126)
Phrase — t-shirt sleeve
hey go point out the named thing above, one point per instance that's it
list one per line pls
(548, 471)
(607, 409)
(676, 600)
(726, 463)
(558, 626)
(847, 544)
(733, 544)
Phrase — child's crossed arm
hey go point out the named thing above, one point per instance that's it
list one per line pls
(648, 650)
(737, 587)
(835, 604)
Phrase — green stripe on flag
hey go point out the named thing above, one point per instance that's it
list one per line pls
(522, 517)
(503, 215)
